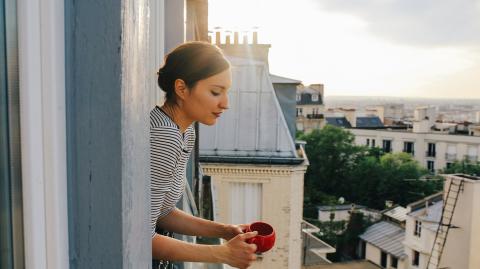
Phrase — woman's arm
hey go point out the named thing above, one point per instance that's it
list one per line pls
(180, 222)
(236, 252)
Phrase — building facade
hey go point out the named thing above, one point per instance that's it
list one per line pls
(434, 151)
(255, 168)
(310, 107)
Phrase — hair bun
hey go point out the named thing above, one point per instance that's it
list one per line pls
(162, 80)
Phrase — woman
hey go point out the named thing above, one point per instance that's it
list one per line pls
(195, 77)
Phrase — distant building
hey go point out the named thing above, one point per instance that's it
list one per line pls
(310, 107)
(421, 227)
(397, 214)
(390, 113)
(382, 244)
(452, 226)
(434, 145)
(439, 231)
(342, 212)
(338, 122)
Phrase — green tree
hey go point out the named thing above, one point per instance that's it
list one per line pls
(464, 167)
(332, 155)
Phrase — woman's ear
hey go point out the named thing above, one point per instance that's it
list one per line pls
(180, 89)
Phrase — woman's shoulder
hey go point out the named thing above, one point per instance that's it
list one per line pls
(158, 119)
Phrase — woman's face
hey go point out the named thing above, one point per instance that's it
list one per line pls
(209, 98)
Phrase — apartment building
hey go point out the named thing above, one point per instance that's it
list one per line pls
(439, 231)
(433, 145)
(256, 170)
(310, 107)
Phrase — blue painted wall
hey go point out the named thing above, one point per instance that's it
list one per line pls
(107, 133)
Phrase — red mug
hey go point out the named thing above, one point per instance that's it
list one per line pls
(265, 238)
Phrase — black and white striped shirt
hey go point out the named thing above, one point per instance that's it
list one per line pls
(169, 154)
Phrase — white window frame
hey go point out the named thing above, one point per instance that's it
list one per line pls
(314, 97)
(298, 97)
(41, 41)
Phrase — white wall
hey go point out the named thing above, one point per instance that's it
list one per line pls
(460, 143)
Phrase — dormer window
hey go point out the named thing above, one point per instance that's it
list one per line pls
(314, 97)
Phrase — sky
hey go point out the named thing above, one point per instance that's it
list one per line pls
(407, 48)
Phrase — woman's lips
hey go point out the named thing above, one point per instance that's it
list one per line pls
(217, 114)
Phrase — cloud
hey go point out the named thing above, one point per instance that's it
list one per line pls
(436, 23)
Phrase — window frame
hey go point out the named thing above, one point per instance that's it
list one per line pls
(417, 231)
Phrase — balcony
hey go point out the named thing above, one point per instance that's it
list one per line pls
(451, 156)
(431, 154)
(314, 116)
(471, 158)
(412, 152)
(314, 250)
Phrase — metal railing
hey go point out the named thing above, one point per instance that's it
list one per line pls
(450, 156)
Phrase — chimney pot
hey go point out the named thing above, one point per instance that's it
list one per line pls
(217, 38)
(235, 38)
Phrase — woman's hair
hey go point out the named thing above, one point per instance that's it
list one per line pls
(190, 62)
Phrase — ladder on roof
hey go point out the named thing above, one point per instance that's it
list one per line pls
(444, 225)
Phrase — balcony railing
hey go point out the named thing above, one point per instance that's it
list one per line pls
(314, 116)
(432, 154)
(471, 158)
(411, 152)
(450, 156)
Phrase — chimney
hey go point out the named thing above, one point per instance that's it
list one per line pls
(255, 38)
(217, 38)
(235, 38)
(245, 38)
(227, 38)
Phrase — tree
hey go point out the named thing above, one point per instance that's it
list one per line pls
(332, 155)
(464, 167)
(362, 175)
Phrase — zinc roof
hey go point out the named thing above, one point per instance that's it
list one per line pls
(254, 126)
(386, 236)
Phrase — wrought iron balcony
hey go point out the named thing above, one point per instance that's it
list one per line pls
(314, 116)
(450, 156)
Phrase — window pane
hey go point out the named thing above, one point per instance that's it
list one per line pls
(245, 202)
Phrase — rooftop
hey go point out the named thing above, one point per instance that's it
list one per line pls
(338, 207)
(345, 265)
(386, 236)
(338, 121)
(369, 122)
(254, 129)
(398, 213)
(283, 80)
(430, 216)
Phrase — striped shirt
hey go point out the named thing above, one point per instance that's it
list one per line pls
(169, 154)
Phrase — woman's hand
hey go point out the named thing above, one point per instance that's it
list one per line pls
(237, 252)
(230, 230)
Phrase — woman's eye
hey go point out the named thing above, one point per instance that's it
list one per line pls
(215, 93)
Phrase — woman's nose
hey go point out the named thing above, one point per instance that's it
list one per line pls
(224, 103)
